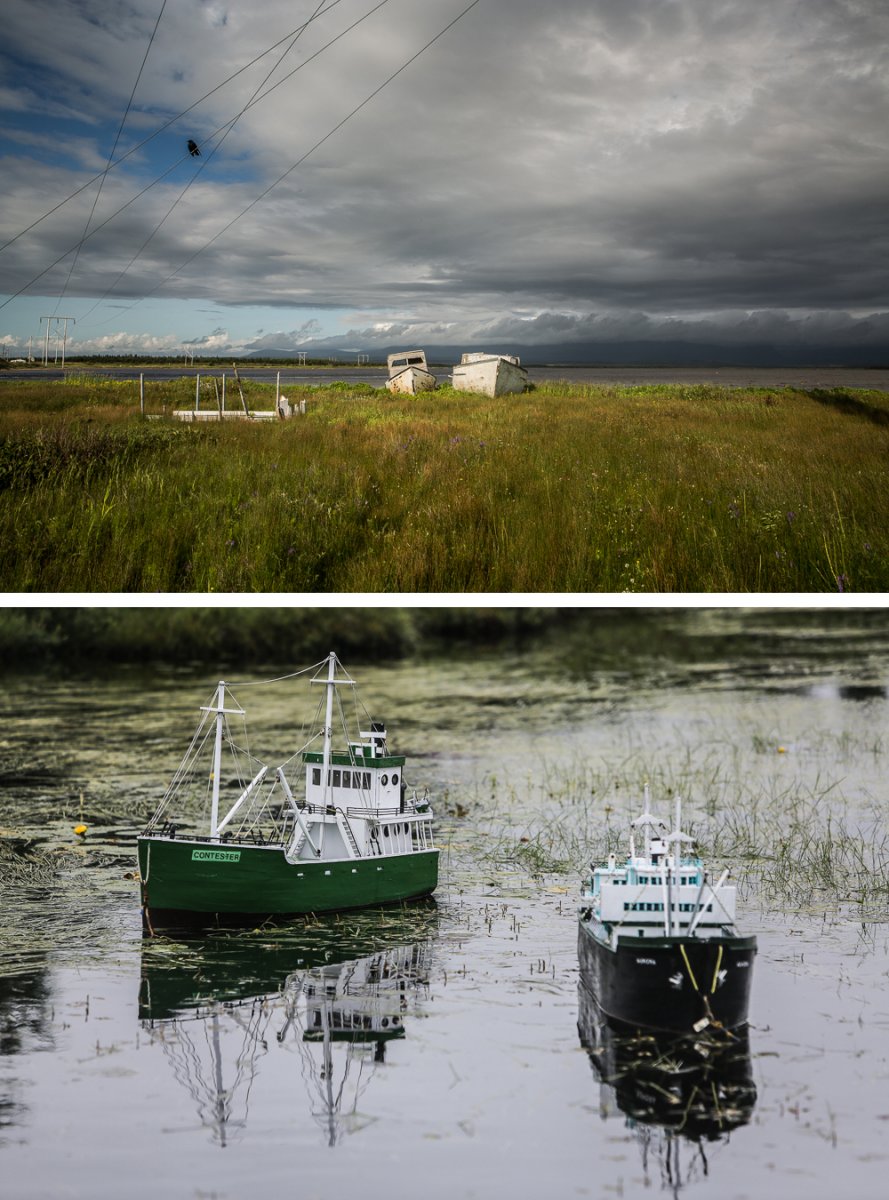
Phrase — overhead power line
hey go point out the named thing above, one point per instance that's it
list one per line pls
(166, 125)
(104, 174)
(321, 141)
(310, 151)
(204, 164)
(223, 129)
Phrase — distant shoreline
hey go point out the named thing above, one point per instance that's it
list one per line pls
(876, 378)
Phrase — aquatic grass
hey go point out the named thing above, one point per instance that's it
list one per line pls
(787, 830)
(576, 488)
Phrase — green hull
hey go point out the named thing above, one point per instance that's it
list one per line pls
(187, 876)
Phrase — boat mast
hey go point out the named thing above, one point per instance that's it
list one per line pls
(328, 739)
(220, 711)
(328, 720)
(217, 761)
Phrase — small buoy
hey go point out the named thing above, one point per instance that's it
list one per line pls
(781, 750)
(80, 830)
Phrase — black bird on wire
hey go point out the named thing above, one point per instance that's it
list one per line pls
(193, 148)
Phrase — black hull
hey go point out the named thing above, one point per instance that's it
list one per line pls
(669, 983)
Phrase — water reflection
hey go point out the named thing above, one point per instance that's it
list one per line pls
(25, 1014)
(333, 1001)
(677, 1095)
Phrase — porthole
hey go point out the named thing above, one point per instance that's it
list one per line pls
(394, 779)
(384, 779)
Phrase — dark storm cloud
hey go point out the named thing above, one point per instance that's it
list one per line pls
(582, 164)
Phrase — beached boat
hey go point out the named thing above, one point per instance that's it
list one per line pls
(351, 835)
(409, 374)
(489, 374)
(657, 941)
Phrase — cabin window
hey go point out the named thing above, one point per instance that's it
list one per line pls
(316, 776)
(394, 779)
(335, 782)
(366, 783)
(347, 778)
(384, 779)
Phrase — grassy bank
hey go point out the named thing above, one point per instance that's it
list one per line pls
(567, 488)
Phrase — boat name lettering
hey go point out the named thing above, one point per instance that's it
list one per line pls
(743, 963)
(215, 855)
(647, 962)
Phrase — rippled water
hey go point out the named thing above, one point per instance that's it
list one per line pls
(445, 1049)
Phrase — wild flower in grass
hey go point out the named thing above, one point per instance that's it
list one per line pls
(734, 511)
(791, 517)
(842, 582)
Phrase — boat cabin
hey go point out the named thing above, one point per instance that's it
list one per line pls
(406, 358)
(659, 891)
(364, 775)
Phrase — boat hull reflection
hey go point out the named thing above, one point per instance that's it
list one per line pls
(676, 1093)
(218, 1005)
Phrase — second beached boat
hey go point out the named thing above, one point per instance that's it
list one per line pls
(351, 834)
(489, 374)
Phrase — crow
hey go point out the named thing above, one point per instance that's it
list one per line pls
(193, 148)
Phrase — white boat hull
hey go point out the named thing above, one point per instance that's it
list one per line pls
(412, 380)
(491, 375)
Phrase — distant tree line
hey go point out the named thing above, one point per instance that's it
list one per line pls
(256, 636)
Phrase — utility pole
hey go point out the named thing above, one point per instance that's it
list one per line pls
(64, 337)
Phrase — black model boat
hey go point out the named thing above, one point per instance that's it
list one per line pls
(657, 941)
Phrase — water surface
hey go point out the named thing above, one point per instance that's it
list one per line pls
(239, 1060)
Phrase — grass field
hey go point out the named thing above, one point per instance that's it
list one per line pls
(568, 488)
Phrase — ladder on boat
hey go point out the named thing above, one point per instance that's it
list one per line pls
(348, 836)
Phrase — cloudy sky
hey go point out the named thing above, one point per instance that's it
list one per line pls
(545, 171)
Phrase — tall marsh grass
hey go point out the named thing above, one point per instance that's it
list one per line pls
(567, 488)
(798, 841)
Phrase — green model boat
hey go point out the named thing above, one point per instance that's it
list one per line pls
(351, 834)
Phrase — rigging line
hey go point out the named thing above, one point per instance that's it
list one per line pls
(166, 125)
(104, 175)
(310, 151)
(205, 162)
(184, 157)
(280, 678)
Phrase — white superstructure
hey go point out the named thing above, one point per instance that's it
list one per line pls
(660, 892)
